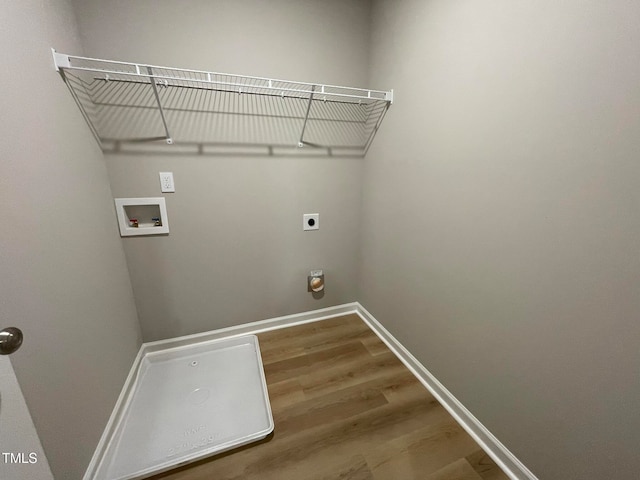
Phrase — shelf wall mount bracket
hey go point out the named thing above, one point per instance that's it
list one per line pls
(60, 60)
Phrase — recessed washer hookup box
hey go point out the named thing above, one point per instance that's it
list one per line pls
(190, 402)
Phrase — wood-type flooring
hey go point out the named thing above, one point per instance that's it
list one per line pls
(345, 407)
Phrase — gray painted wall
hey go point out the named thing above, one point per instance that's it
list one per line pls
(502, 217)
(500, 209)
(64, 278)
(236, 252)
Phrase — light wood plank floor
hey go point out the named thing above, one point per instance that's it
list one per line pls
(345, 407)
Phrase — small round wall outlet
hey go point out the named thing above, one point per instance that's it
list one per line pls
(311, 221)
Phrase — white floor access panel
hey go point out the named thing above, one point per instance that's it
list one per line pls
(190, 402)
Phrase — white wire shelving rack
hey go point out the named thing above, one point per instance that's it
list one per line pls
(130, 106)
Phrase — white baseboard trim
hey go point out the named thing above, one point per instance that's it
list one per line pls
(252, 328)
(506, 460)
(494, 448)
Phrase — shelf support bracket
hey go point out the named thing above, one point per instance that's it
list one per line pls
(155, 93)
(60, 60)
(388, 96)
(306, 117)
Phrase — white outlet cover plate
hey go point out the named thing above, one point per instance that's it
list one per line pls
(166, 182)
(315, 219)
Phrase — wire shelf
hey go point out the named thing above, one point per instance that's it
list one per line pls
(129, 104)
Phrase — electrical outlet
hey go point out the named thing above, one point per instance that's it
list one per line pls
(311, 221)
(166, 182)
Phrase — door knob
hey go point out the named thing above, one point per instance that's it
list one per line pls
(10, 340)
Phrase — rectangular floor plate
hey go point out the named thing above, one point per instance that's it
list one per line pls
(189, 403)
